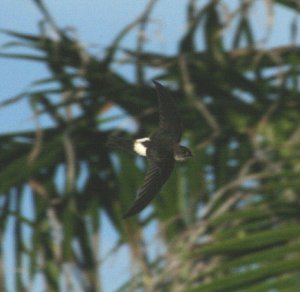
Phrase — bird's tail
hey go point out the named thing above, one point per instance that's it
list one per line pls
(120, 143)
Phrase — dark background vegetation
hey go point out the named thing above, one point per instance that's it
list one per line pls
(228, 220)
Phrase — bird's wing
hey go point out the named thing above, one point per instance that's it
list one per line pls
(156, 177)
(169, 119)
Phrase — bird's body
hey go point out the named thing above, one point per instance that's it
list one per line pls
(161, 150)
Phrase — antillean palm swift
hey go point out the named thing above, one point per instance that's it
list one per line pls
(161, 149)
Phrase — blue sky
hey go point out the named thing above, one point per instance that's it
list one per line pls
(96, 23)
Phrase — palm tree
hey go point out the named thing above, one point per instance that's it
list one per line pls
(228, 220)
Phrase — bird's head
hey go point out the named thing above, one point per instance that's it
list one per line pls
(182, 153)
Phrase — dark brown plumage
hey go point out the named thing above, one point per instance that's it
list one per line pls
(161, 150)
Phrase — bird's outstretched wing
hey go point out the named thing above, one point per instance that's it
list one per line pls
(156, 176)
(169, 119)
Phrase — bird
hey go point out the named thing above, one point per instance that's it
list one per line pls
(161, 150)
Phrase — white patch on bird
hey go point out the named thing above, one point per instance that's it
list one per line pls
(179, 158)
(139, 147)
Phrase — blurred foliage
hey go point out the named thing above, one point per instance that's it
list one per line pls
(228, 219)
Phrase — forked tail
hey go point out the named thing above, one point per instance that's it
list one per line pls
(120, 143)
